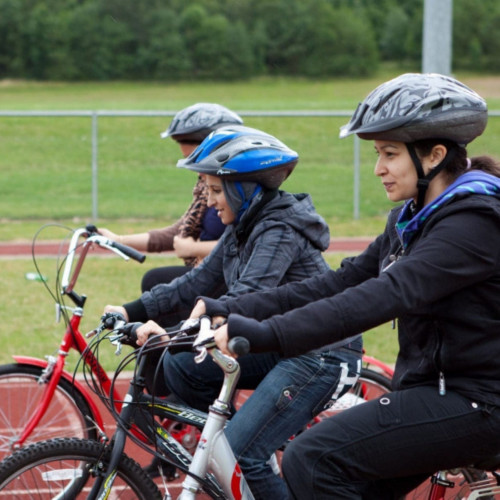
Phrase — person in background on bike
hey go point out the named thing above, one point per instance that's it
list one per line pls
(196, 233)
(272, 237)
(436, 270)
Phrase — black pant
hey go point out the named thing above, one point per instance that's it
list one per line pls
(384, 448)
(151, 278)
(159, 275)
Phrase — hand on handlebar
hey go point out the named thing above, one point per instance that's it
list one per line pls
(200, 310)
(108, 234)
(221, 339)
(147, 329)
(116, 309)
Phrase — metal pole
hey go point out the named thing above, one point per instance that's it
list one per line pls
(357, 176)
(437, 36)
(94, 167)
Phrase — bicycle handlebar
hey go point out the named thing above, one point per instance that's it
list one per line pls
(127, 334)
(239, 346)
(104, 242)
(90, 232)
(128, 251)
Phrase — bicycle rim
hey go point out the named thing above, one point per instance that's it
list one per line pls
(68, 414)
(65, 469)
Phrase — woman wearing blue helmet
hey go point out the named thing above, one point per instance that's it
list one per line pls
(272, 237)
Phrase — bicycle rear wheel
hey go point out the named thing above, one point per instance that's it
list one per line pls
(463, 482)
(370, 385)
(66, 469)
(68, 414)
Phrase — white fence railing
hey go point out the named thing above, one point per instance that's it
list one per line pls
(94, 116)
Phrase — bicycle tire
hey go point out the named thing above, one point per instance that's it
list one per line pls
(370, 385)
(68, 414)
(63, 468)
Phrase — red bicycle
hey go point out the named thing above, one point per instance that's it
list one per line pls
(55, 404)
(39, 399)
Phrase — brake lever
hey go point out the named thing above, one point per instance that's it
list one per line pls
(116, 340)
(204, 340)
(202, 354)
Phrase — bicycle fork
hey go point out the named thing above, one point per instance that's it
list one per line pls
(103, 484)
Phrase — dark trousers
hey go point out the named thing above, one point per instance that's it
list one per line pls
(150, 279)
(164, 275)
(384, 448)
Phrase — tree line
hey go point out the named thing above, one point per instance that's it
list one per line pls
(231, 39)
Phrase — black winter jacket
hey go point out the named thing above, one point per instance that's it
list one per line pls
(444, 290)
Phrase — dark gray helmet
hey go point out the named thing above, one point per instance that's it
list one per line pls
(239, 153)
(418, 106)
(194, 123)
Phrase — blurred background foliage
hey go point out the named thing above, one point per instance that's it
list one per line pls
(75, 40)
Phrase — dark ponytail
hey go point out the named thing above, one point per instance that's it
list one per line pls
(486, 164)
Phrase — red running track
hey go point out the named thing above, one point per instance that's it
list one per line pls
(12, 249)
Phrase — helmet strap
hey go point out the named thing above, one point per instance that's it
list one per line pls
(245, 198)
(250, 219)
(424, 180)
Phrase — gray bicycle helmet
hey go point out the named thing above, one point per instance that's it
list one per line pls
(417, 106)
(413, 107)
(240, 153)
(194, 123)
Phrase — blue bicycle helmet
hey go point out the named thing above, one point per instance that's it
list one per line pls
(240, 153)
(194, 123)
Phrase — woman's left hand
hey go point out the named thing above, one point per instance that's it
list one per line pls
(222, 338)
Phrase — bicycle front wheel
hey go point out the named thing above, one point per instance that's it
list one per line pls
(68, 414)
(66, 468)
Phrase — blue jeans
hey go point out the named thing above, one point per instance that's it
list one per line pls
(288, 394)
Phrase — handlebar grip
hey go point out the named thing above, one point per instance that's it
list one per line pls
(130, 332)
(239, 346)
(130, 252)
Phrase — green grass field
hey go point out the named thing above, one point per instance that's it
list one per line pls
(46, 162)
(29, 327)
(45, 166)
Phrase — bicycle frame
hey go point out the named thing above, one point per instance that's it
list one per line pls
(213, 451)
(218, 455)
(72, 339)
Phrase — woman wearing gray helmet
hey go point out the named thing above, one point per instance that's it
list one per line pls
(272, 238)
(196, 233)
(436, 270)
